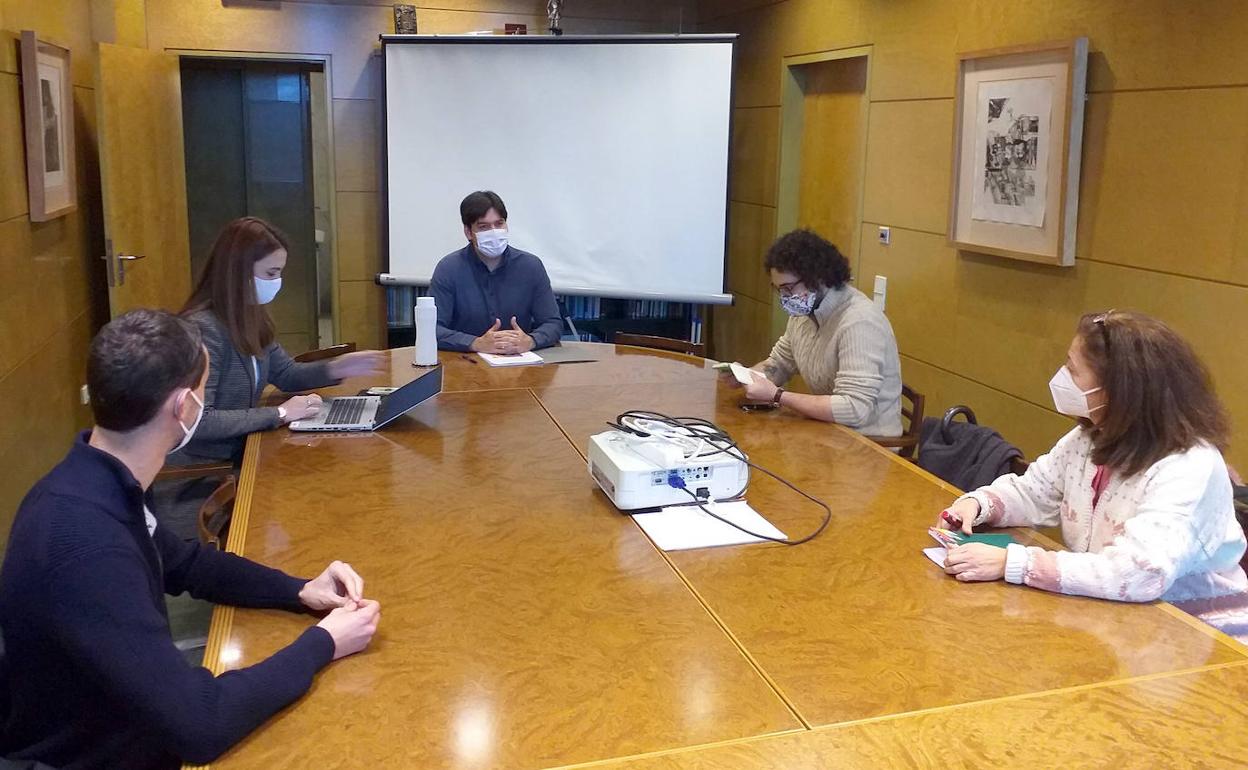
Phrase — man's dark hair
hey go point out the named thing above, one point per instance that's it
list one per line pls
(815, 261)
(136, 361)
(478, 204)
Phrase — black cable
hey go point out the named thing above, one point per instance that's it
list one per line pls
(722, 443)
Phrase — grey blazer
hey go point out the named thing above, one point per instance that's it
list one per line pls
(232, 394)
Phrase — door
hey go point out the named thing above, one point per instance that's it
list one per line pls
(248, 151)
(143, 178)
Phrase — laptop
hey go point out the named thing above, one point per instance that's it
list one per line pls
(364, 413)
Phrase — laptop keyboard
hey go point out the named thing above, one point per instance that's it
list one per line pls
(345, 411)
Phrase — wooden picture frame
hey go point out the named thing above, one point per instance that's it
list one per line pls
(1017, 144)
(48, 104)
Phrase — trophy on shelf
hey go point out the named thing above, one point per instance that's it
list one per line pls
(553, 10)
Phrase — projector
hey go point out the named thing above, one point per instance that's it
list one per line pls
(634, 471)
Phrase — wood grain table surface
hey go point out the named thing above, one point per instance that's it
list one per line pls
(526, 623)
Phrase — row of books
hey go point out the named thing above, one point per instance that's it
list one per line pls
(401, 305)
(581, 308)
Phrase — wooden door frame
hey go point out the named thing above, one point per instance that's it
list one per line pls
(789, 167)
(325, 60)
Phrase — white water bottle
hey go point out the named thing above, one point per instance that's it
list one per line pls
(426, 332)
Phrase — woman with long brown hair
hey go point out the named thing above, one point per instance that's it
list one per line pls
(243, 273)
(1139, 488)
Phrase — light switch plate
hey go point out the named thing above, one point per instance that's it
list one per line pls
(84, 395)
(886, 235)
(879, 293)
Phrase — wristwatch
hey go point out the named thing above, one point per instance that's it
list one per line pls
(775, 400)
(281, 413)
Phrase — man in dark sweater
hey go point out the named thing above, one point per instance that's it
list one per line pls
(90, 675)
(491, 296)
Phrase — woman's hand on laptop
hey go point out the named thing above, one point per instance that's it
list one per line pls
(337, 586)
(299, 407)
(361, 364)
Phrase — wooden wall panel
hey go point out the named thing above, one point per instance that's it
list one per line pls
(1135, 45)
(751, 231)
(356, 145)
(1164, 196)
(64, 22)
(347, 32)
(908, 162)
(833, 130)
(40, 414)
(53, 293)
(359, 257)
(13, 197)
(1007, 326)
(363, 315)
(754, 153)
(1165, 183)
(741, 332)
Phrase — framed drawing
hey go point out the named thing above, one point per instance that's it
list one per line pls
(48, 102)
(1017, 139)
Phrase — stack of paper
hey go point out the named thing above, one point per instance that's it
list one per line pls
(522, 359)
(685, 526)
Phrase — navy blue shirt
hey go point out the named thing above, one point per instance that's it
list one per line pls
(90, 675)
(470, 297)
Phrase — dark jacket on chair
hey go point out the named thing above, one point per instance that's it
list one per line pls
(90, 675)
(231, 411)
(967, 456)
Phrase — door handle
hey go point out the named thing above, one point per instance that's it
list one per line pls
(116, 263)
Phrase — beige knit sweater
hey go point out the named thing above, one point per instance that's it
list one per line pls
(845, 350)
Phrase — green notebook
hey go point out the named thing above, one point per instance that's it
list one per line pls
(998, 541)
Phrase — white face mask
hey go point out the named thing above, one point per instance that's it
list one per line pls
(267, 288)
(492, 243)
(1067, 397)
(188, 432)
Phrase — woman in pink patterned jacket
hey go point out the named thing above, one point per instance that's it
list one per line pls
(1139, 488)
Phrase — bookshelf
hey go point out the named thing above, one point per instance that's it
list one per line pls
(596, 319)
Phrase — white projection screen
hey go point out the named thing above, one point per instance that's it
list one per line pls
(611, 154)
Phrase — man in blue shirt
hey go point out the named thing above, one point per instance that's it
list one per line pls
(90, 675)
(492, 297)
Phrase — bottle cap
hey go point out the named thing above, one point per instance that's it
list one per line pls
(424, 302)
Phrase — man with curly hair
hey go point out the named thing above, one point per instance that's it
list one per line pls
(837, 340)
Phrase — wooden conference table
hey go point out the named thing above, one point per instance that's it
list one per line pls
(526, 623)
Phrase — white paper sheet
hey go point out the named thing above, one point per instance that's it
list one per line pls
(743, 375)
(522, 359)
(682, 527)
(937, 555)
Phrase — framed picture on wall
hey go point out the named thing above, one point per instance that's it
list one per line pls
(1017, 139)
(48, 103)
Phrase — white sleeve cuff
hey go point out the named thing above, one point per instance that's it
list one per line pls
(1016, 558)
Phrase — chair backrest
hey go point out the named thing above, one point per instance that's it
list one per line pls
(908, 442)
(915, 412)
(323, 353)
(661, 343)
(214, 514)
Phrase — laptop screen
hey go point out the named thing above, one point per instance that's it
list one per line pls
(408, 397)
